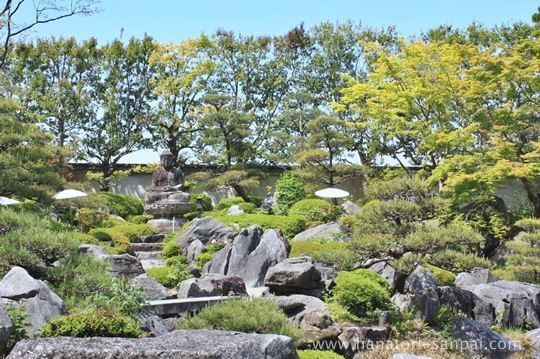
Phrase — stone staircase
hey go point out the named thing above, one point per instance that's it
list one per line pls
(148, 251)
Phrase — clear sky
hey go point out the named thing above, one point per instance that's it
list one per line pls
(172, 21)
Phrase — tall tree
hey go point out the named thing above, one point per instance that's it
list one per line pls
(124, 96)
(56, 78)
(183, 76)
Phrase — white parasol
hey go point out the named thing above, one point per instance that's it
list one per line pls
(69, 193)
(4, 201)
(332, 193)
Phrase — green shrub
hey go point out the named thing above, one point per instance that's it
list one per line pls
(529, 224)
(204, 199)
(256, 200)
(325, 251)
(122, 235)
(289, 225)
(92, 324)
(171, 249)
(362, 292)
(88, 218)
(203, 258)
(318, 354)
(140, 218)
(456, 261)
(316, 211)
(173, 273)
(340, 314)
(18, 317)
(122, 205)
(523, 261)
(250, 316)
(289, 190)
(399, 188)
(177, 260)
(442, 276)
(226, 203)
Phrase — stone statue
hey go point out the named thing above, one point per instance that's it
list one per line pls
(165, 197)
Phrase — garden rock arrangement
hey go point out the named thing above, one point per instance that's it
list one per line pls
(119, 265)
(151, 287)
(250, 256)
(203, 344)
(204, 231)
(40, 304)
(329, 231)
(295, 276)
(6, 328)
(210, 285)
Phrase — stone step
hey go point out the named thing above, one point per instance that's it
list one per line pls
(152, 263)
(148, 255)
(170, 307)
(152, 238)
(147, 247)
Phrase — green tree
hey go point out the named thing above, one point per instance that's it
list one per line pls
(123, 95)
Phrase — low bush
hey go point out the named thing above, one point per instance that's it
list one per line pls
(289, 189)
(288, 225)
(88, 218)
(529, 224)
(175, 271)
(122, 205)
(92, 324)
(140, 218)
(340, 314)
(122, 235)
(204, 199)
(402, 188)
(250, 316)
(208, 254)
(316, 211)
(325, 251)
(171, 249)
(443, 276)
(226, 203)
(318, 354)
(362, 292)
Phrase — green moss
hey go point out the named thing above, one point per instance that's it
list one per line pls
(318, 354)
(250, 316)
(316, 211)
(171, 249)
(443, 277)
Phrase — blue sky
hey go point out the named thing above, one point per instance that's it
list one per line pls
(172, 21)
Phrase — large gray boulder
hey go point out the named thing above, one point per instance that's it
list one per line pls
(330, 230)
(207, 230)
(355, 339)
(93, 250)
(235, 210)
(421, 289)
(194, 249)
(124, 265)
(311, 315)
(477, 276)
(180, 344)
(210, 285)
(477, 339)
(351, 208)
(6, 328)
(395, 279)
(153, 289)
(250, 256)
(40, 304)
(516, 303)
(534, 337)
(461, 301)
(297, 275)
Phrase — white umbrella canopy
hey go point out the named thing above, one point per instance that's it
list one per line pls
(332, 193)
(4, 201)
(69, 193)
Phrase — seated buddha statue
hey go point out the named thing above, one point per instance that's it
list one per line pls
(165, 196)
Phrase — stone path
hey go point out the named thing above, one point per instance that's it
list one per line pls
(148, 251)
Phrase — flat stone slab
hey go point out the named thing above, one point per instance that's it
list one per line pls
(152, 238)
(180, 344)
(147, 247)
(185, 305)
(152, 263)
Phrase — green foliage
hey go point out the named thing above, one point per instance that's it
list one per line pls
(456, 261)
(92, 324)
(32, 242)
(442, 276)
(316, 211)
(325, 251)
(88, 218)
(122, 235)
(529, 224)
(140, 218)
(17, 315)
(122, 205)
(289, 225)
(399, 188)
(175, 271)
(122, 296)
(289, 190)
(341, 314)
(208, 254)
(250, 316)
(202, 198)
(171, 249)
(362, 292)
(318, 354)
(226, 203)
(456, 236)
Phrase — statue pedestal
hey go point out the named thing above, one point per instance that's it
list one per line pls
(166, 225)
